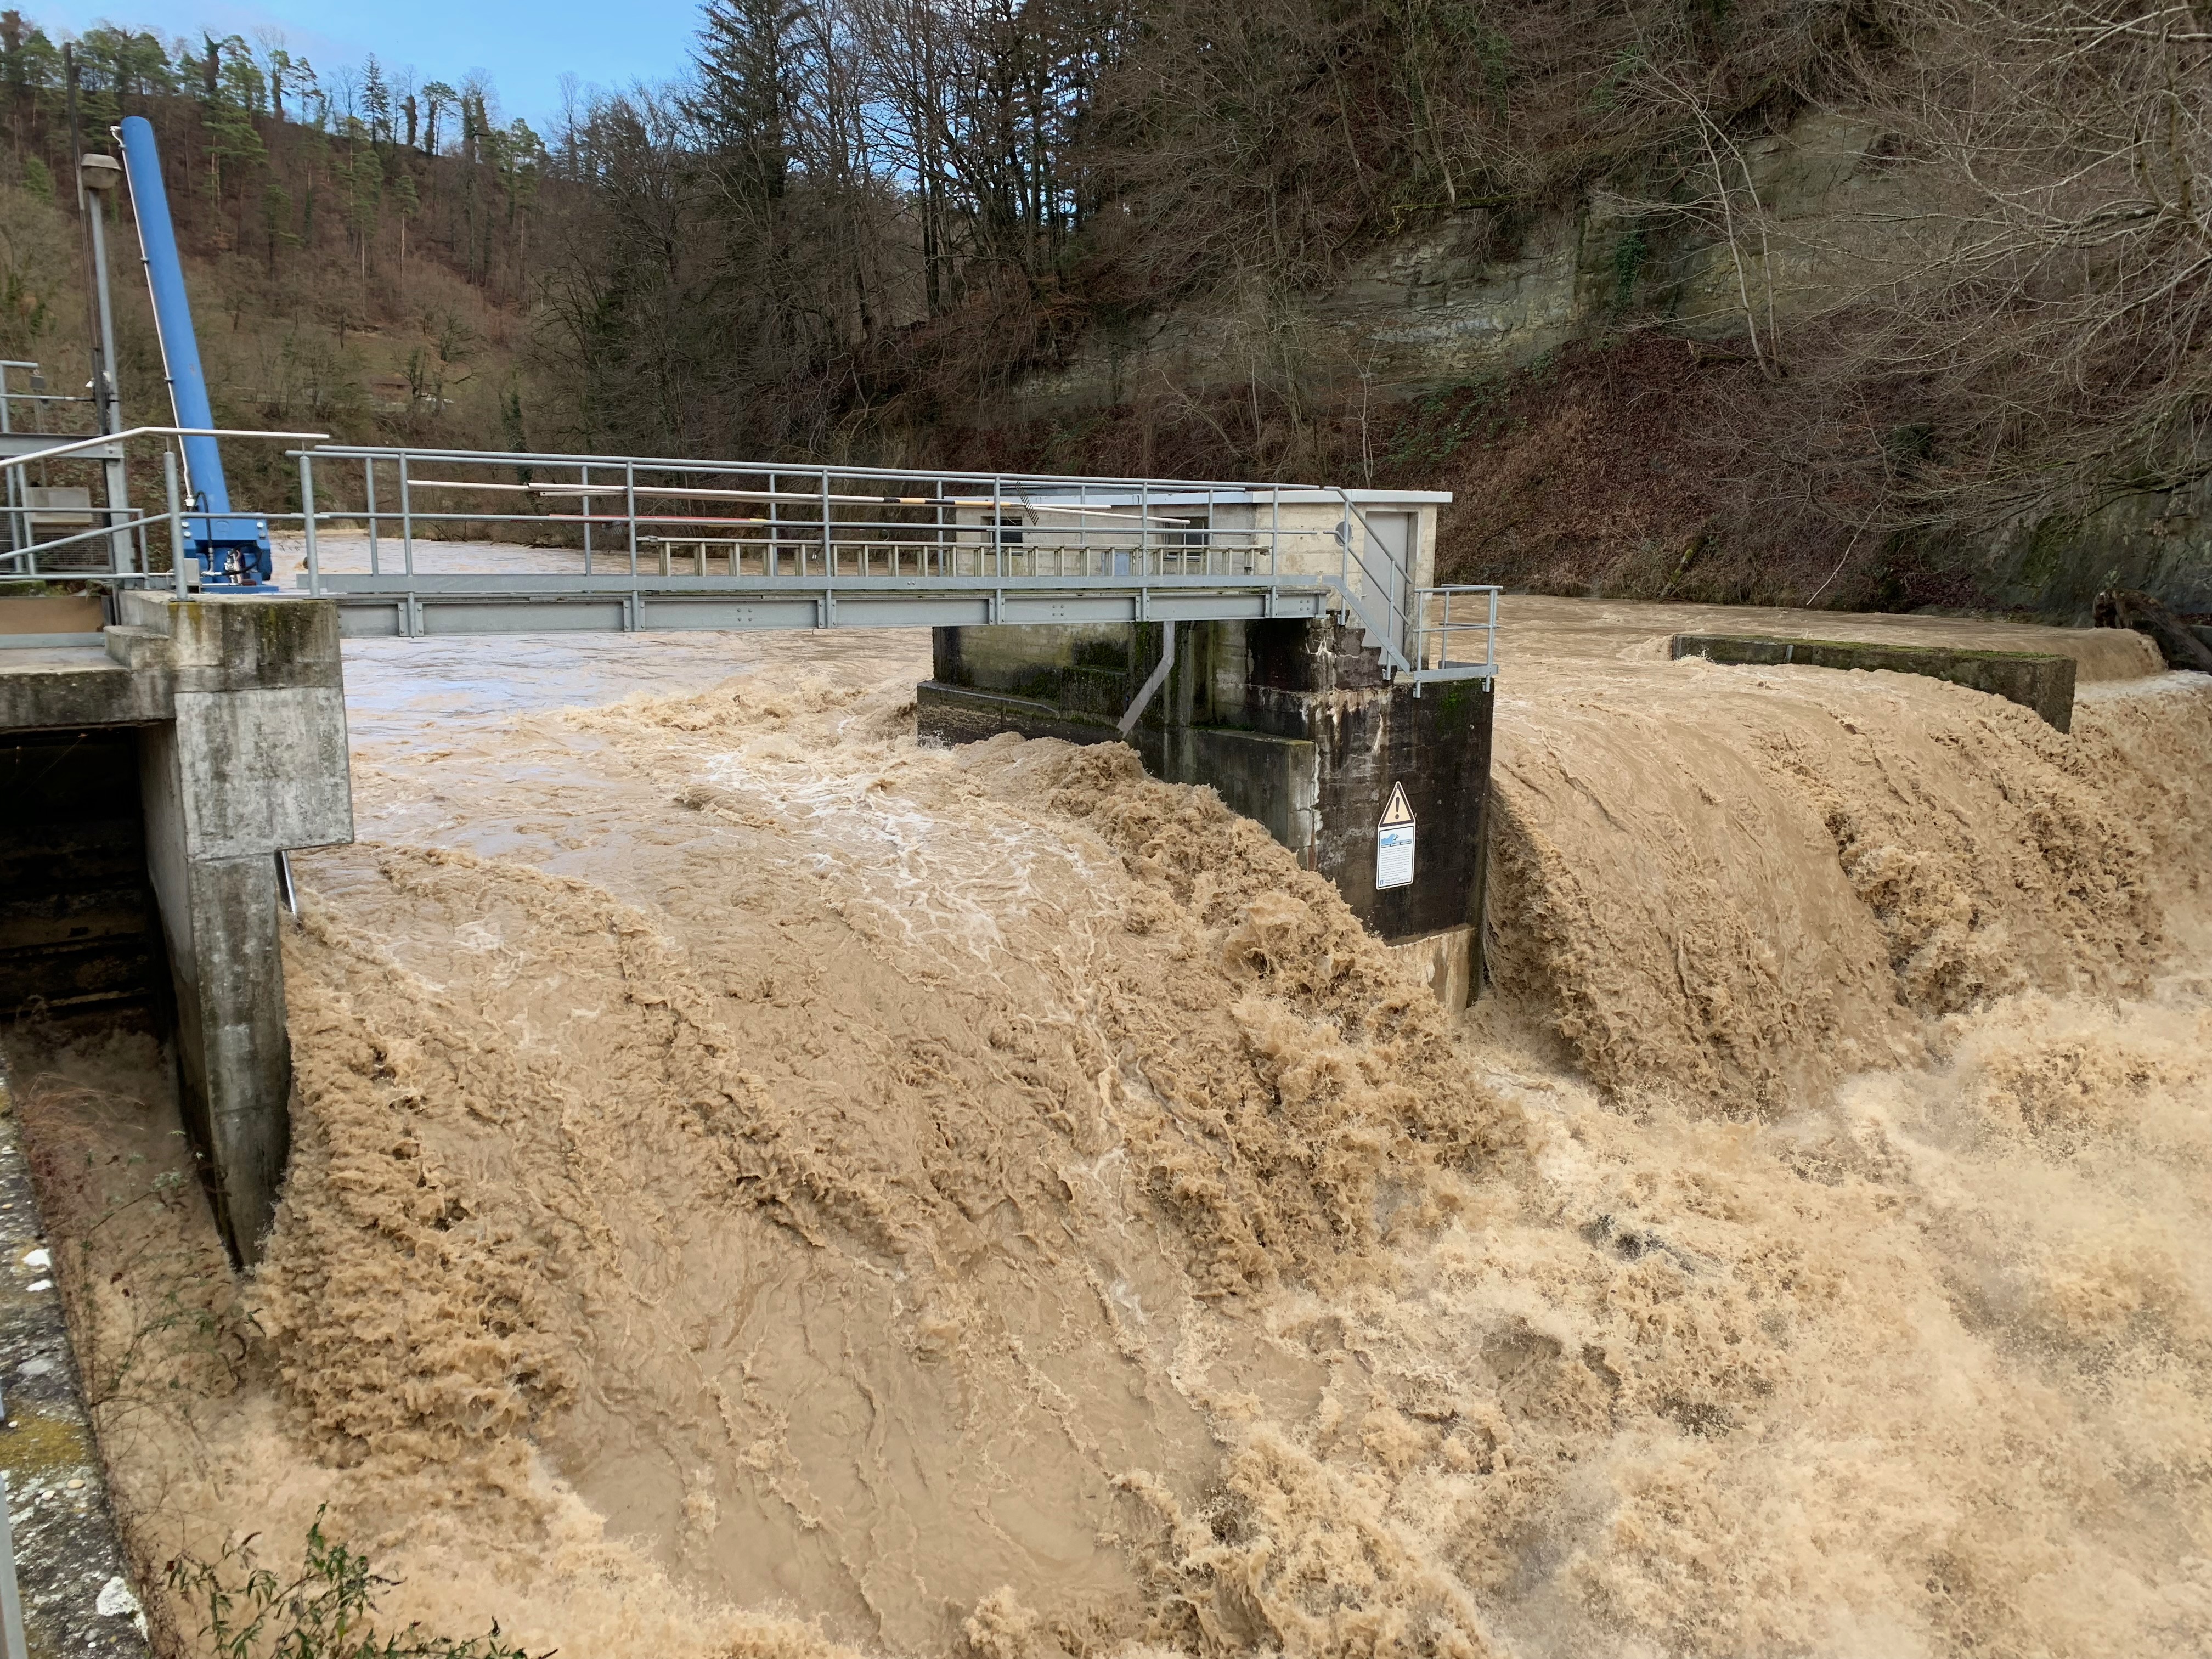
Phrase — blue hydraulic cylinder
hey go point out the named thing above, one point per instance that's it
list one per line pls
(232, 549)
(173, 315)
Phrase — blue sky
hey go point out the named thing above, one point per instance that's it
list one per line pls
(524, 46)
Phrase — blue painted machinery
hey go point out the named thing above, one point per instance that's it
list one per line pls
(232, 547)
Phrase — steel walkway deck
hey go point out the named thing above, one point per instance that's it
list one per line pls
(426, 605)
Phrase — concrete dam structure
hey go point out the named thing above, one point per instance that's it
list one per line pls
(636, 1112)
(764, 1186)
(1296, 724)
(1286, 647)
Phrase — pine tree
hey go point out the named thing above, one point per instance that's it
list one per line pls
(376, 100)
(747, 50)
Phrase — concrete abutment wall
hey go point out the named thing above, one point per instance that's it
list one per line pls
(220, 723)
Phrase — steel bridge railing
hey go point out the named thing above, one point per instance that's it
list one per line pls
(122, 523)
(122, 526)
(645, 529)
(636, 522)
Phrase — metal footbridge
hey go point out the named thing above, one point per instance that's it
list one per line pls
(401, 538)
(644, 543)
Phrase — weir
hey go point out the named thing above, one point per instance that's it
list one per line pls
(170, 742)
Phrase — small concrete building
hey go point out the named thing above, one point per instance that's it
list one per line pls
(1382, 543)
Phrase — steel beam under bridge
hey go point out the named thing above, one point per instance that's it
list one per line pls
(399, 606)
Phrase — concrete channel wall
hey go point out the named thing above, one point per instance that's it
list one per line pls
(79, 930)
(2035, 680)
(221, 724)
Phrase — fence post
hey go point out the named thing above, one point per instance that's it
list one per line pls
(307, 524)
(629, 512)
(176, 522)
(1145, 528)
(407, 518)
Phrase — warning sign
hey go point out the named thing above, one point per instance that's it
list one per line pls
(1394, 842)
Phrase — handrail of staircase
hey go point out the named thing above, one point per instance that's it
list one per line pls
(1394, 642)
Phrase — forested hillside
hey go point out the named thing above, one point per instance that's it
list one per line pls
(1841, 301)
(360, 250)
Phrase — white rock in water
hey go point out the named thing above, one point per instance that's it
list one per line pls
(35, 1367)
(38, 1258)
(40, 1285)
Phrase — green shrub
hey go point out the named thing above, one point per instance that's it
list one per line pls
(326, 1612)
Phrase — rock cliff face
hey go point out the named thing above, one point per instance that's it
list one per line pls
(2157, 540)
(1447, 357)
(1480, 295)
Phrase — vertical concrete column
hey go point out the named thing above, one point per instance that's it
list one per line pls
(255, 761)
(1303, 713)
(219, 919)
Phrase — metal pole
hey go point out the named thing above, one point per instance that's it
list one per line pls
(406, 519)
(108, 407)
(368, 488)
(629, 507)
(584, 476)
(307, 523)
(176, 522)
(18, 534)
(11, 1597)
(829, 551)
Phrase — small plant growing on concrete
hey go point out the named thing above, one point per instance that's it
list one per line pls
(325, 1612)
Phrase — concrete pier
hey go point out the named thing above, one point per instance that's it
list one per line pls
(156, 775)
(1296, 725)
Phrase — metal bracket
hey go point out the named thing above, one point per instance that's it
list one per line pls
(1150, 688)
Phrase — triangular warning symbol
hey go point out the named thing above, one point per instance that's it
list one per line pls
(1398, 812)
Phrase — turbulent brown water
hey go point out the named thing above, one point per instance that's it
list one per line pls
(763, 1188)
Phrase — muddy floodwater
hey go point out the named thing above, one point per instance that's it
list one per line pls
(764, 1188)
